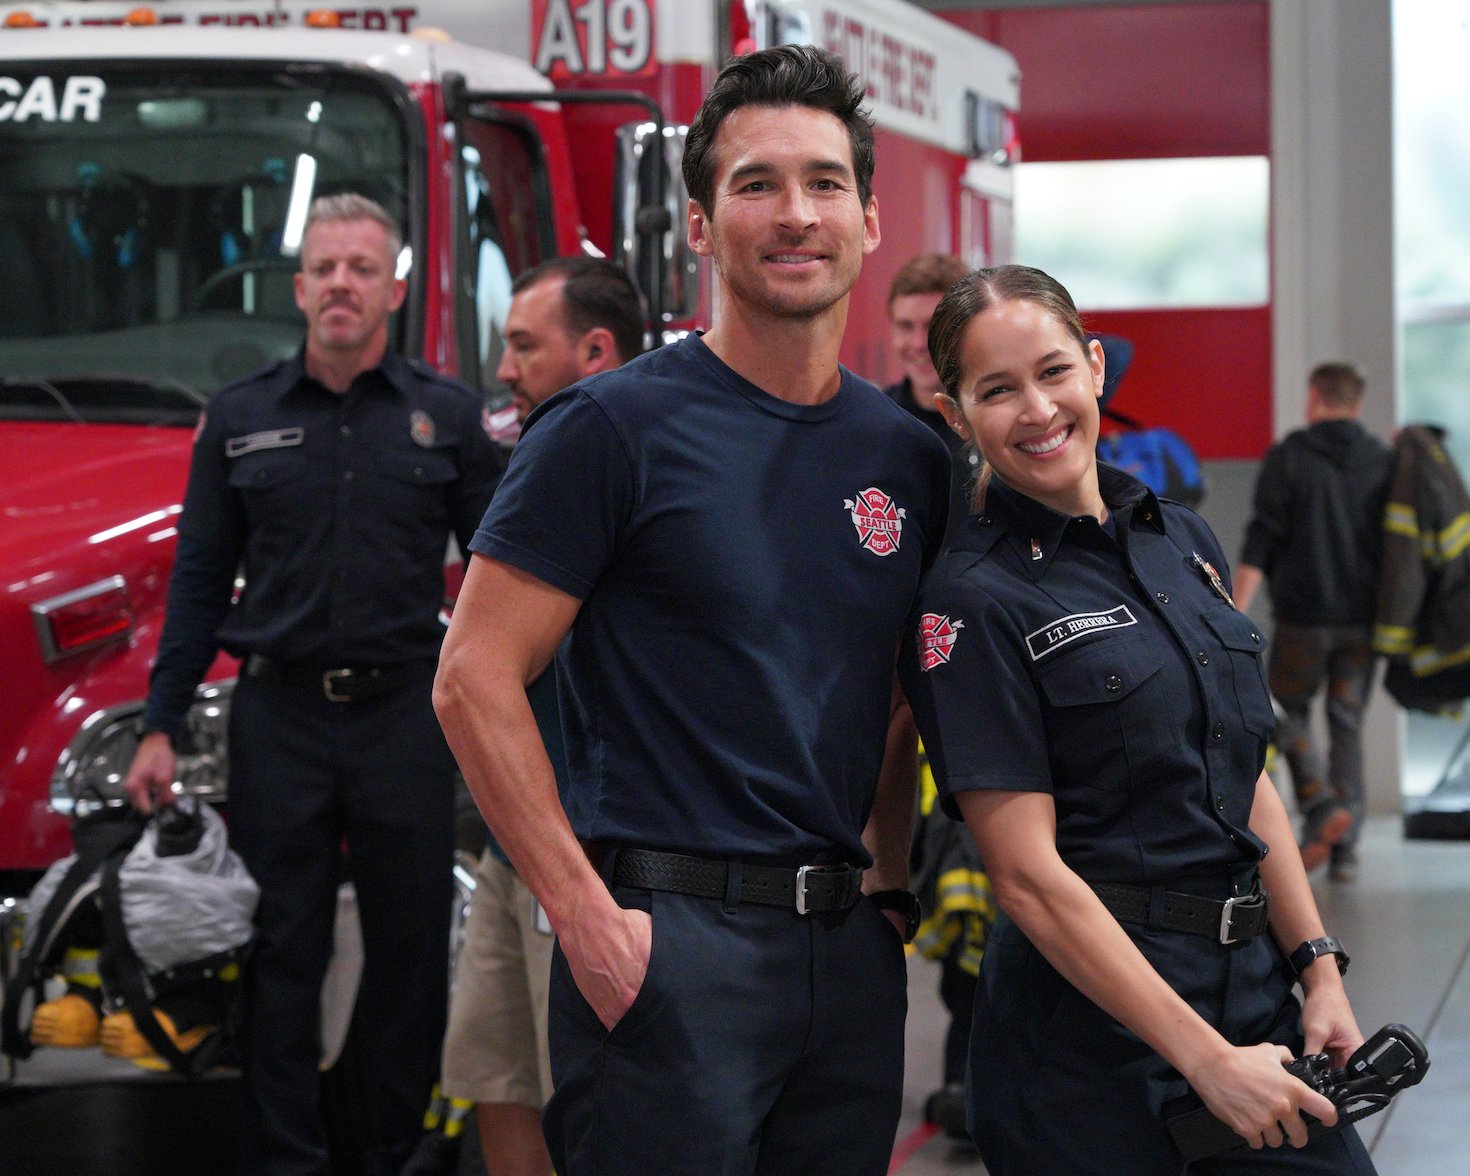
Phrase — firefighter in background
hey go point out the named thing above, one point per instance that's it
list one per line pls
(912, 296)
(334, 479)
(1316, 538)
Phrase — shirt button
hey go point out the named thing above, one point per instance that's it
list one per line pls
(985, 520)
(347, 475)
(347, 430)
(1113, 683)
(1162, 597)
(1218, 732)
(1202, 657)
(1256, 638)
(1219, 804)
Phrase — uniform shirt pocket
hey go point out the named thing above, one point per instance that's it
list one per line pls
(1106, 671)
(415, 485)
(269, 481)
(1110, 716)
(1245, 649)
(428, 468)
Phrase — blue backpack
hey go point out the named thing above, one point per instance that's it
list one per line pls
(1159, 458)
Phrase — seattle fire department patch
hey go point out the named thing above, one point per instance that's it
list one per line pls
(937, 635)
(878, 521)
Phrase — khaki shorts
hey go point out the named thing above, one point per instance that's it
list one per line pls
(495, 1047)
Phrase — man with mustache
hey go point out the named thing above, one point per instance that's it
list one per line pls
(333, 481)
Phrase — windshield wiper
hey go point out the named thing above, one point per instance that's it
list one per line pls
(46, 386)
(97, 397)
(146, 384)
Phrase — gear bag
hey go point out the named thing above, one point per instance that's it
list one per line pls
(1159, 458)
(168, 906)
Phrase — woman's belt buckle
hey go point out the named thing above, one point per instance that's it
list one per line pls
(1252, 909)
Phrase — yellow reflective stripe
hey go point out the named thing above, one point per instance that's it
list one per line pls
(936, 935)
(1455, 538)
(928, 790)
(965, 890)
(1427, 660)
(1393, 639)
(79, 966)
(1401, 520)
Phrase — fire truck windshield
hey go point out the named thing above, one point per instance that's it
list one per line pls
(150, 224)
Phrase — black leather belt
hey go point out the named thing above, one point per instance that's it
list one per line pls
(804, 889)
(343, 684)
(1230, 920)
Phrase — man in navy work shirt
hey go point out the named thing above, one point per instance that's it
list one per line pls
(730, 529)
(333, 480)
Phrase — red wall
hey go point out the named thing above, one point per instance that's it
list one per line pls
(1183, 374)
(1157, 81)
(915, 185)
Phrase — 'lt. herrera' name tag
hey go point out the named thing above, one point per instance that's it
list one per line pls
(1057, 633)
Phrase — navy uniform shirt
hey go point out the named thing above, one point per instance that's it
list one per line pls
(1111, 671)
(336, 508)
(746, 566)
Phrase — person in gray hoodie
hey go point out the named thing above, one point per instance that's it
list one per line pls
(1316, 537)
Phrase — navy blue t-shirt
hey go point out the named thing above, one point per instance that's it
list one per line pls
(1109, 670)
(745, 566)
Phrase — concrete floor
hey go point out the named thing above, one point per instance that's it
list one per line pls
(1404, 921)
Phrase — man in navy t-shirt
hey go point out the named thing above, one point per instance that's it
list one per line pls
(728, 532)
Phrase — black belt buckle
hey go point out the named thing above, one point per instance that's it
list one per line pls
(1245, 904)
(330, 681)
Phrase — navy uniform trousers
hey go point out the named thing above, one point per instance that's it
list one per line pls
(307, 775)
(1058, 1086)
(761, 1042)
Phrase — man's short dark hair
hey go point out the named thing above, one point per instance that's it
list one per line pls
(786, 75)
(1339, 384)
(596, 294)
(928, 273)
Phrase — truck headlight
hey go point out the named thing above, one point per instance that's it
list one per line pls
(92, 768)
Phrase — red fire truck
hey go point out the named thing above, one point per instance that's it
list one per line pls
(153, 183)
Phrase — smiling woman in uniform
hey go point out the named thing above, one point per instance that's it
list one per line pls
(1094, 707)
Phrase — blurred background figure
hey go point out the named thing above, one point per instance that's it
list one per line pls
(1316, 537)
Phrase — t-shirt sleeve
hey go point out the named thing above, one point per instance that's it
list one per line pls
(965, 669)
(565, 498)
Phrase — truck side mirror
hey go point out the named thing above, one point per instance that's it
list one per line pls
(647, 232)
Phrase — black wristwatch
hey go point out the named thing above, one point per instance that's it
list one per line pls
(902, 902)
(1312, 949)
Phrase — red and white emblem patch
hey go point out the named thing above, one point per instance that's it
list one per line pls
(879, 523)
(937, 636)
